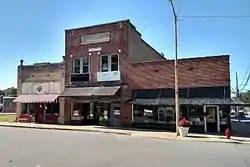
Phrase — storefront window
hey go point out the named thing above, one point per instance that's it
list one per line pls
(52, 108)
(104, 113)
(77, 110)
(196, 115)
(144, 114)
(224, 115)
(28, 108)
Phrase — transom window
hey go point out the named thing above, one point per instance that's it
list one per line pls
(109, 63)
(81, 65)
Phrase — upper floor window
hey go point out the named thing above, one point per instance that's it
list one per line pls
(110, 63)
(114, 62)
(81, 65)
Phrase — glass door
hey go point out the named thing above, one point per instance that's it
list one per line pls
(211, 118)
(161, 116)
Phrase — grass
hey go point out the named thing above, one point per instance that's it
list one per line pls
(7, 117)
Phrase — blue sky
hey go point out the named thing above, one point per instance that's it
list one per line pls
(34, 29)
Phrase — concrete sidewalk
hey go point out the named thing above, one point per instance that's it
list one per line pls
(133, 132)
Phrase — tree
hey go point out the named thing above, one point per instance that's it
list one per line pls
(10, 91)
(246, 96)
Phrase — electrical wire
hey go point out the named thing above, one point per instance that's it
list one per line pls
(248, 78)
(245, 76)
(216, 17)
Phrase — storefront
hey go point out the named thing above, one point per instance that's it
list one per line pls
(42, 108)
(203, 118)
(94, 105)
(207, 112)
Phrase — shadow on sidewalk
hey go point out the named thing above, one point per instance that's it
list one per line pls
(135, 129)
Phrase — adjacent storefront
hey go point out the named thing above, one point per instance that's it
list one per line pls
(40, 100)
(94, 105)
(206, 114)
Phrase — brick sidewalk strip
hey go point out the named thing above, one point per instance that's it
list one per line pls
(134, 133)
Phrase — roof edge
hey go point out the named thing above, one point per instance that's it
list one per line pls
(184, 59)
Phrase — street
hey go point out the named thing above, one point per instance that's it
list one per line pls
(50, 148)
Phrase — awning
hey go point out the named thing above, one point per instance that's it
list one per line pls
(90, 91)
(36, 98)
(183, 101)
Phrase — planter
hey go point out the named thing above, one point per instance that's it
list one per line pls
(183, 131)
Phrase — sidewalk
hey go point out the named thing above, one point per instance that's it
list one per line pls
(133, 132)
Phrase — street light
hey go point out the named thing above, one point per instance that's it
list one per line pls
(177, 101)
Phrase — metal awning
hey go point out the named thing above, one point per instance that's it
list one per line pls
(183, 101)
(90, 91)
(36, 98)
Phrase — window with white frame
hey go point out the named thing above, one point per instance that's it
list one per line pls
(110, 63)
(81, 65)
(114, 62)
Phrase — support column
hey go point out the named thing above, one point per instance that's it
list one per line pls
(91, 114)
(112, 119)
(61, 110)
(218, 118)
(18, 109)
(205, 119)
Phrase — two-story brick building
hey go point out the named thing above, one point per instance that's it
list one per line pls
(114, 77)
(97, 68)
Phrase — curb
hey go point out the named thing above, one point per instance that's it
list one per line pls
(213, 141)
(67, 129)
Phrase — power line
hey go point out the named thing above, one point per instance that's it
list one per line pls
(248, 78)
(216, 17)
(245, 76)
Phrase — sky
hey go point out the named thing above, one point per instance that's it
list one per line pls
(33, 30)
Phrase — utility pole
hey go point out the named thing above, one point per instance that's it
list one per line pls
(237, 86)
(237, 96)
(177, 101)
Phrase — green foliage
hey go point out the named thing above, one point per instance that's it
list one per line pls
(10, 91)
(246, 96)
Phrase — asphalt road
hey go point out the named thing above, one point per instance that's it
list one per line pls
(46, 148)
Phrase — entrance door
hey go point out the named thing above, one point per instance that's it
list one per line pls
(211, 120)
(39, 107)
(161, 116)
(98, 108)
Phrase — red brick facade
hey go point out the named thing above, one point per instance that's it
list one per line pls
(193, 72)
(119, 40)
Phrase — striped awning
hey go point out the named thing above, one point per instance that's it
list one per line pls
(36, 98)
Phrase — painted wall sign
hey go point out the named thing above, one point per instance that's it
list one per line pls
(41, 88)
(95, 38)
